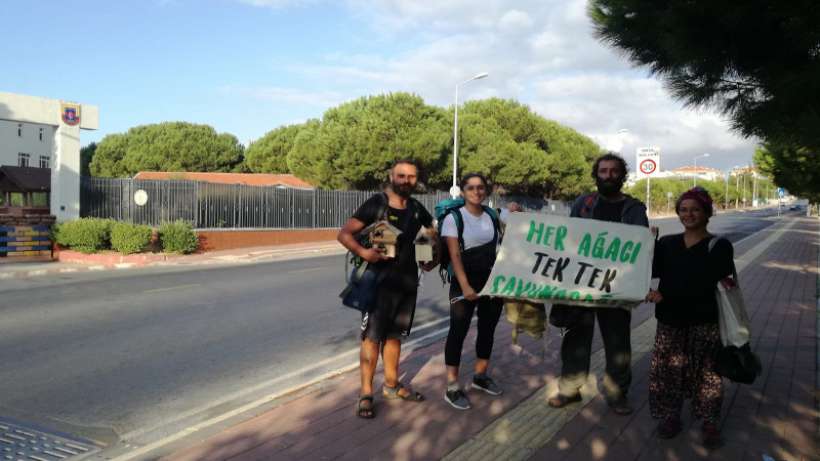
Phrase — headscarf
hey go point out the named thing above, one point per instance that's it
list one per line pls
(698, 194)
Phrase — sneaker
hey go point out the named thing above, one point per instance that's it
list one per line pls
(711, 435)
(486, 384)
(669, 428)
(620, 406)
(560, 400)
(457, 399)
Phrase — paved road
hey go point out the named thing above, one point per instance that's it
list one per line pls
(142, 354)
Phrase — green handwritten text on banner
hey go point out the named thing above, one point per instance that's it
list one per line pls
(563, 260)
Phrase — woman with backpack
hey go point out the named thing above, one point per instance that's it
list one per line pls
(689, 266)
(471, 234)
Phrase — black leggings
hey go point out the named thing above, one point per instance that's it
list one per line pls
(461, 314)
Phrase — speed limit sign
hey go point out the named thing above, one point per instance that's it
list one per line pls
(648, 166)
(648, 160)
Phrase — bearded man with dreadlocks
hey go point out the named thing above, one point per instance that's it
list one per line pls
(578, 323)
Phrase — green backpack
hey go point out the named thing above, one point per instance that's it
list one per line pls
(526, 317)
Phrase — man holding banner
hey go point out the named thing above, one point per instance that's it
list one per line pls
(599, 266)
(611, 205)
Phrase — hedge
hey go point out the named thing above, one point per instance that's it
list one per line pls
(87, 235)
(178, 237)
(130, 238)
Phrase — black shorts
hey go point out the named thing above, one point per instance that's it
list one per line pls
(392, 316)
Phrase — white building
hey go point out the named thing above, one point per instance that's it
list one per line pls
(45, 133)
(702, 172)
(26, 144)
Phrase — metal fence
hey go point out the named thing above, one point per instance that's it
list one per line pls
(214, 206)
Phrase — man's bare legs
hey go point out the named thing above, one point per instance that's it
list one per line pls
(390, 354)
(368, 359)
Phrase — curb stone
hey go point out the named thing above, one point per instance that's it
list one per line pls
(257, 256)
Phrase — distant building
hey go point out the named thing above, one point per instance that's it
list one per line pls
(702, 172)
(247, 179)
(633, 177)
(742, 170)
(42, 134)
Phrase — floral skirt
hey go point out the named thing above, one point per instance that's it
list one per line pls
(683, 366)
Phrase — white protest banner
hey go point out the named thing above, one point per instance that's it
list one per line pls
(583, 262)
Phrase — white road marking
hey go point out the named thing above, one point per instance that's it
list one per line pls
(178, 287)
(302, 271)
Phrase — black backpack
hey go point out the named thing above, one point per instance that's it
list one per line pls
(445, 265)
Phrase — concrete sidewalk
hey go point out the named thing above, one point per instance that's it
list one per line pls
(236, 256)
(777, 416)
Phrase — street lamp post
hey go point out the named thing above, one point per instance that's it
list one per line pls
(454, 190)
(743, 185)
(726, 197)
(754, 188)
(621, 135)
(737, 187)
(695, 172)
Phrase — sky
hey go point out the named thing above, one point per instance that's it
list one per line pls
(248, 66)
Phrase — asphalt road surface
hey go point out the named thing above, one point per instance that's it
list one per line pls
(140, 354)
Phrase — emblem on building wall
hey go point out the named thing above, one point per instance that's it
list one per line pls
(70, 113)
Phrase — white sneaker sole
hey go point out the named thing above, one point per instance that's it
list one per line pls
(485, 390)
(454, 405)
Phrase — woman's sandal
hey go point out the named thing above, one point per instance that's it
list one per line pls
(392, 393)
(365, 412)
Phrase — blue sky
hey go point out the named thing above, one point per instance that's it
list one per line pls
(248, 66)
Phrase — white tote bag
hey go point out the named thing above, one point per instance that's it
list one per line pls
(733, 319)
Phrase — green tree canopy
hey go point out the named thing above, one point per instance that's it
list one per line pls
(169, 146)
(522, 151)
(758, 61)
(725, 192)
(86, 155)
(269, 154)
(354, 143)
(793, 168)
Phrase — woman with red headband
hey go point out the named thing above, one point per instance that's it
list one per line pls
(688, 336)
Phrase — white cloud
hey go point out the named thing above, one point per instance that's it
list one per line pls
(515, 20)
(321, 99)
(601, 105)
(541, 52)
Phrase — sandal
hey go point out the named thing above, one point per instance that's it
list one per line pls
(365, 412)
(392, 393)
(561, 400)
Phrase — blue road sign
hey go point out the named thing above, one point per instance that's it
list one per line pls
(781, 192)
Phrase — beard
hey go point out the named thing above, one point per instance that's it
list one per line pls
(404, 189)
(609, 187)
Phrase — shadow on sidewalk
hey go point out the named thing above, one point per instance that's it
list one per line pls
(323, 424)
(776, 416)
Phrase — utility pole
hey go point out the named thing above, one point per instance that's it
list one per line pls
(726, 198)
(754, 188)
(737, 190)
(743, 185)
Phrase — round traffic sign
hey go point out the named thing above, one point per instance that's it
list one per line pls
(647, 166)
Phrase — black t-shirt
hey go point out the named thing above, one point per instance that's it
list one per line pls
(402, 271)
(688, 279)
(608, 211)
